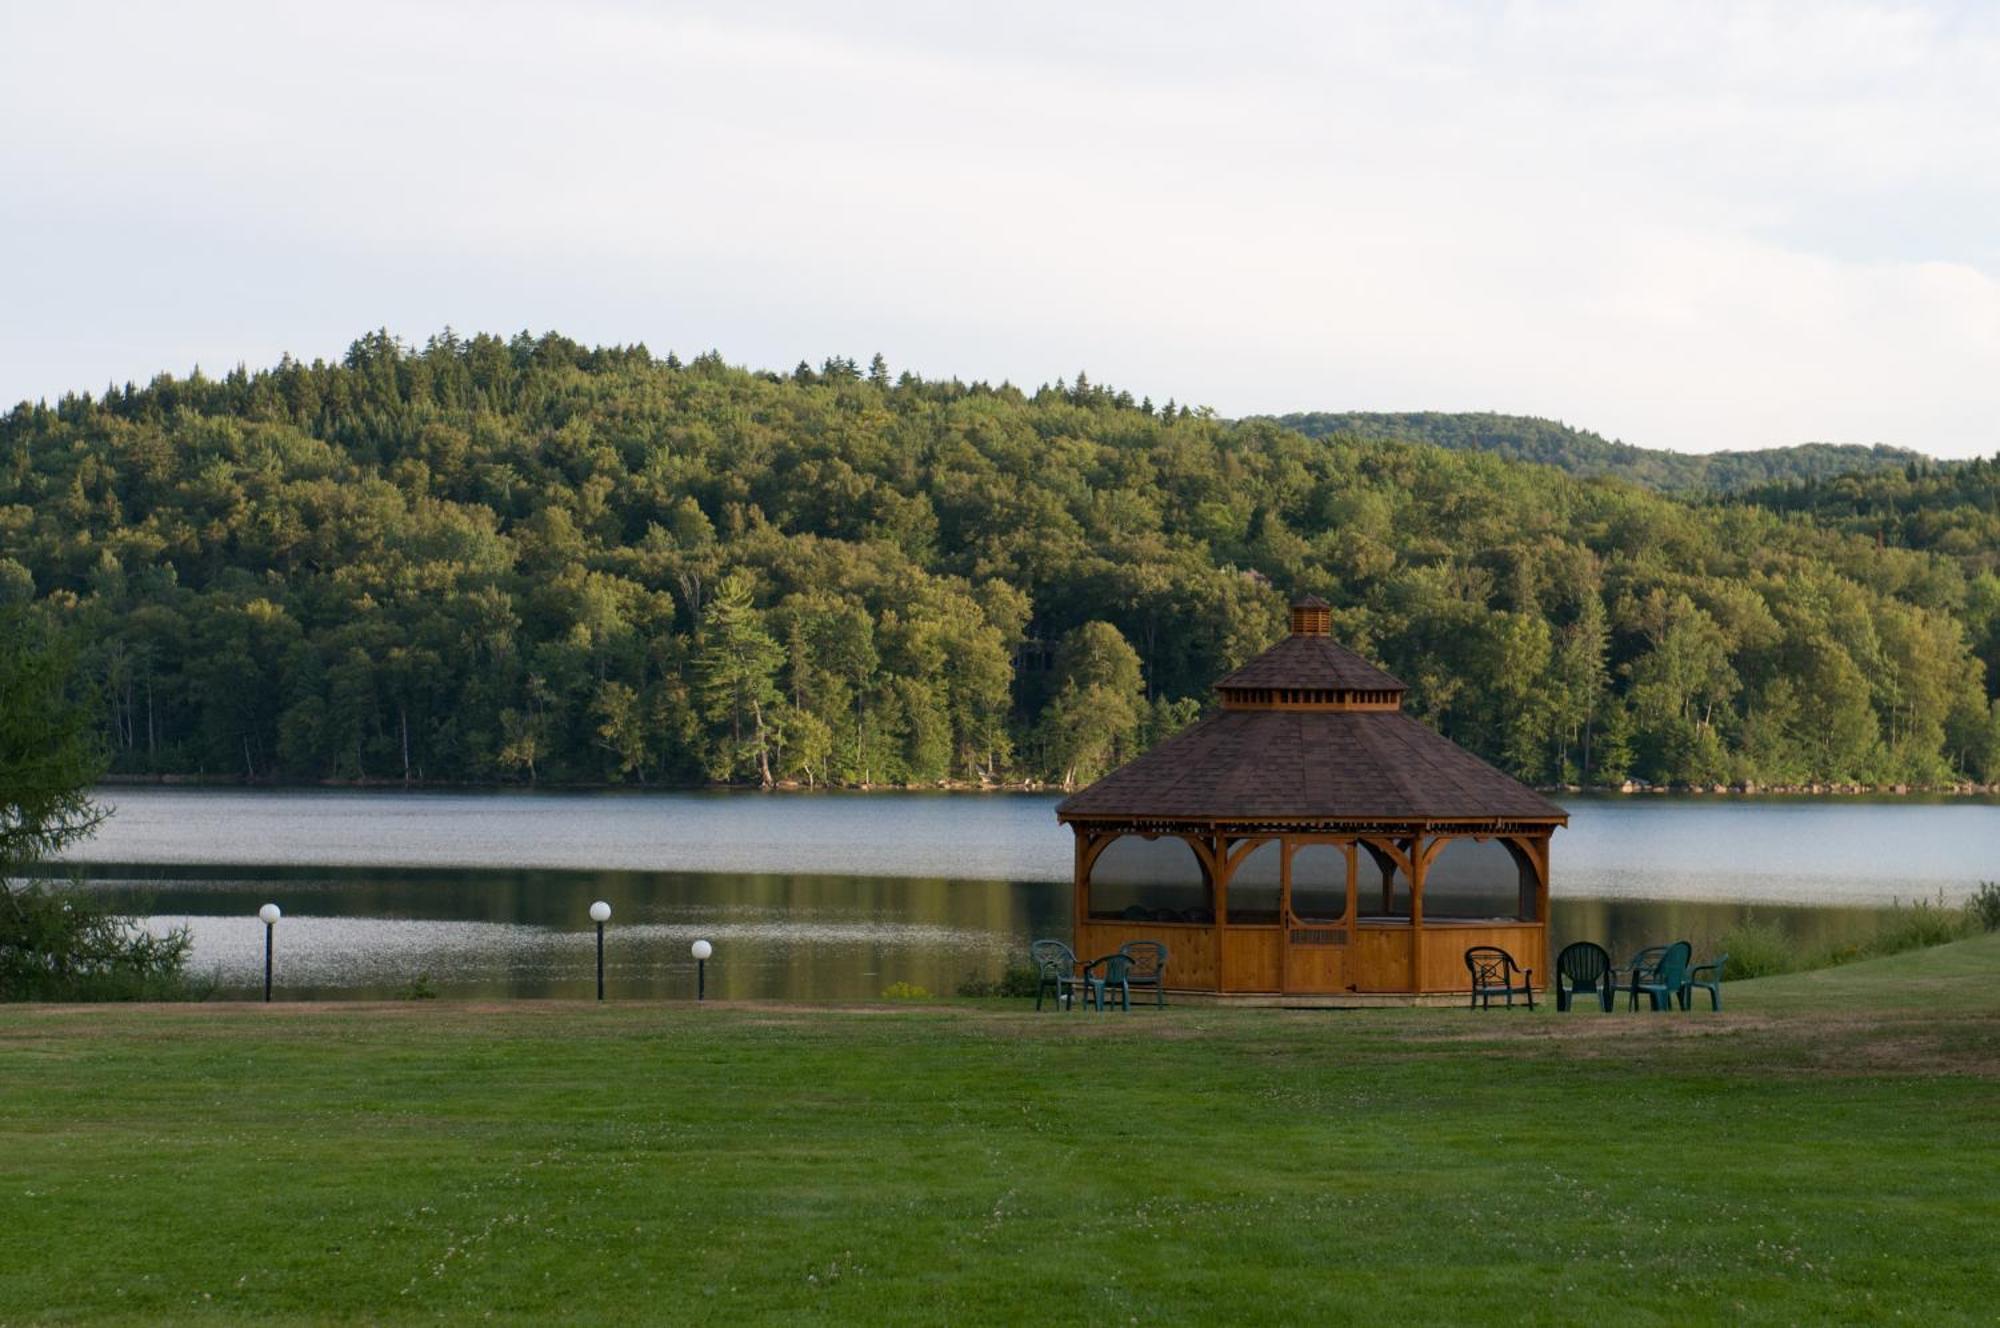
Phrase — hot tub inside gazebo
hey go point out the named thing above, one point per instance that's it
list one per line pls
(1309, 843)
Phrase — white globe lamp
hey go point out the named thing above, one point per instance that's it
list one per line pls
(701, 950)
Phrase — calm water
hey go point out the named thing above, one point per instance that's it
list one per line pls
(834, 896)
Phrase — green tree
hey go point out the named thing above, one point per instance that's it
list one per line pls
(1093, 722)
(50, 753)
(60, 943)
(739, 663)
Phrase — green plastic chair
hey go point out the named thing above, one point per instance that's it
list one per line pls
(1643, 964)
(1586, 968)
(1055, 973)
(1666, 982)
(1149, 968)
(1111, 973)
(1711, 984)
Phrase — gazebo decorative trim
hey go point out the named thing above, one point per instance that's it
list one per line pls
(1310, 749)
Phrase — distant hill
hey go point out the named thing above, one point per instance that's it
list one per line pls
(531, 560)
(1583, 453)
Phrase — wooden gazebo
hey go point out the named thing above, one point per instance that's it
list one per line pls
(1310, 843)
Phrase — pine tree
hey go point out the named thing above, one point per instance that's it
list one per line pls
(738, 665)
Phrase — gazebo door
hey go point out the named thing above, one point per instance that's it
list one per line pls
(1319, 911)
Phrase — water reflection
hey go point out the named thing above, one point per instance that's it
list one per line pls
(373, 932)
(472, 933)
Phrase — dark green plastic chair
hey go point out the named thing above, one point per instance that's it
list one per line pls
(1584, 969)
(1643, 964)
(1112, 973)
(1055, 973)
(1665, 983)
(1149, 968)
(1711, 984)
(1493, 974)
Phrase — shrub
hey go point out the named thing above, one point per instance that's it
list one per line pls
(905, 991)
(63, 944)
(418, 988)
(1985, 905)
(1921, 924)
(1018, 980)
(1759, 950)
(1764, 949)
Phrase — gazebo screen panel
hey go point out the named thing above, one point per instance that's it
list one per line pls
(1382, 893)
(1136, 879)
(1254, 886)
(1485, 879)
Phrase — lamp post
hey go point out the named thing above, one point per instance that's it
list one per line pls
(600, 913)
(268, 915)
(701, 950)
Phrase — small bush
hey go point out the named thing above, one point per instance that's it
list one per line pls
(1920, 925)
(418, 988)
(1764, 949)
(1018, 980)
(64, 944)
(905, 991)
(1759, 950)
(1985, 905)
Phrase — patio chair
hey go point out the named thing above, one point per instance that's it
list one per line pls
(1149, 968)
(1107, 975)
(1494, 973)
(1642, 964)
(1666, 982)
(1586, 969)
(1055, 972)
(1712, 984)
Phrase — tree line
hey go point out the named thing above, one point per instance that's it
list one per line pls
(1590, 455)
(526, 559)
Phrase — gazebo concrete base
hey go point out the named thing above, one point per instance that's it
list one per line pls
(1332, 1000)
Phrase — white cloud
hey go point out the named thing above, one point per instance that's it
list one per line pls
(1689, 225)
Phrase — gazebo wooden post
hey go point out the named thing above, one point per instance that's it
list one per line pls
(1353, 886)
(1218, 857)
(1540, 844)
(1419, 860)
(1080, 893)
(1286, 847)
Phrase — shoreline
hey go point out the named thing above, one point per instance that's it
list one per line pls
(1630, 788)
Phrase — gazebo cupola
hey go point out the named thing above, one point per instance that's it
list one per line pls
(1307, 671)
(1308, 839)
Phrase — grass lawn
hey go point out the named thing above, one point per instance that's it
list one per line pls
(1827, 1150)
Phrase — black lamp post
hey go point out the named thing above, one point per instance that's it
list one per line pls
(268, 915)
(701, 950)
(601, 913)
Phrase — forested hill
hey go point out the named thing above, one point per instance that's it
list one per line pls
(1585, 454)
(527, 559)
(1952, 509)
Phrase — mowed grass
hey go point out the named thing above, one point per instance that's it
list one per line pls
(1828, 1149)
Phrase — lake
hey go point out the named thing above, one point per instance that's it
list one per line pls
(833, 896)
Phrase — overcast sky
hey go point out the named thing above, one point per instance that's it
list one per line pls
(1686, 225)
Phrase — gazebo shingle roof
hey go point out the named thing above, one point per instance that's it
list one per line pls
(1307, 735)
(1310, 765)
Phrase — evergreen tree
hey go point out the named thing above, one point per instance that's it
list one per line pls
(739, 663)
